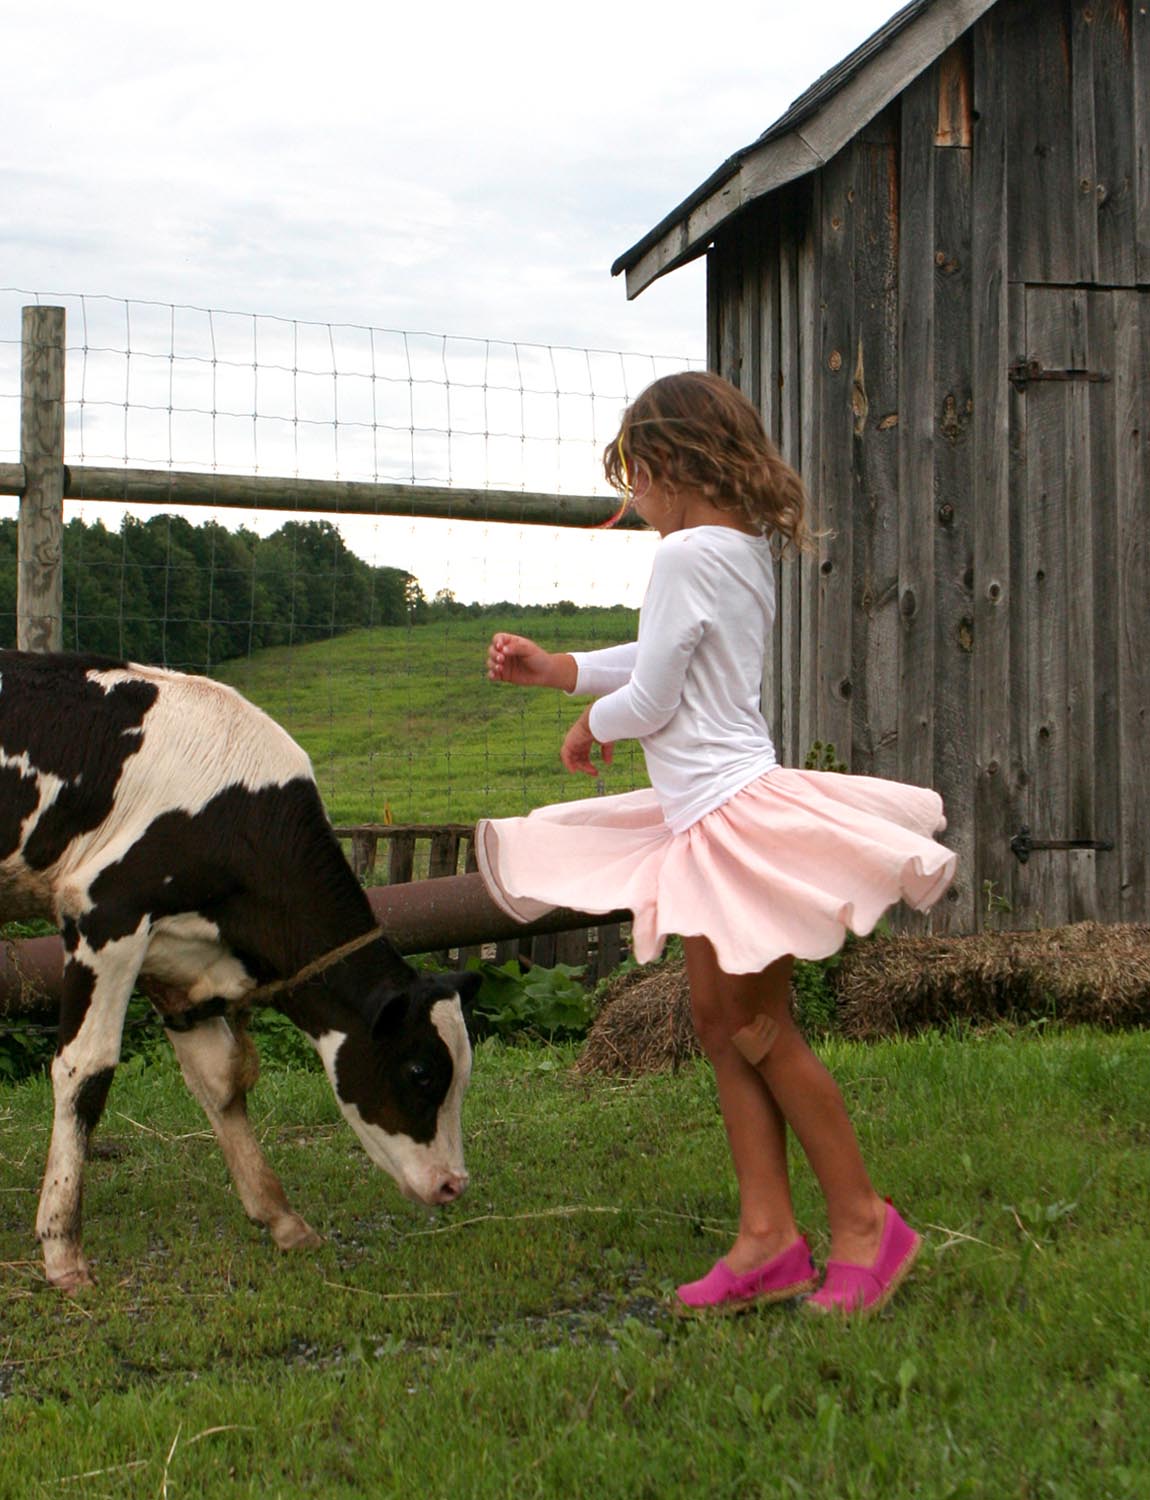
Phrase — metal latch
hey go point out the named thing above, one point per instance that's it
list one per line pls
(1023, 845)
(1026, 370)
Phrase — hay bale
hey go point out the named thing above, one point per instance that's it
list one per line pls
(1084, 973)
(643, 1025)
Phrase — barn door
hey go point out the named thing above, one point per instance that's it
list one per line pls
(1080, 424)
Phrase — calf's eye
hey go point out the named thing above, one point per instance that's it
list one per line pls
(418, 1073)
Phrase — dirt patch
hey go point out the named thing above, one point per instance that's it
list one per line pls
(1085, 973)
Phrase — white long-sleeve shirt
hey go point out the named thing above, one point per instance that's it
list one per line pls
(688, 689)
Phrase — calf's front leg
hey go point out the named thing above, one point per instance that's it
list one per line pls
(219, 1068)
(97, 985)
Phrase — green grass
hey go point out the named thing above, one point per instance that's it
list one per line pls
(404, 718)
(520, 1343)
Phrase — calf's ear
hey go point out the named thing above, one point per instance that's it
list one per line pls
(466, 985)
(391, 1014)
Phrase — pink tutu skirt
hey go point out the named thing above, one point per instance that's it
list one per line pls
(789, 865)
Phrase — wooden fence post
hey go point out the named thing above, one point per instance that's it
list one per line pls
(40, 569)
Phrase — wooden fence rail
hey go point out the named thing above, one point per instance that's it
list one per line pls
(428, 851)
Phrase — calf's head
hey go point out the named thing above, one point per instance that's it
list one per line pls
(400, 1077)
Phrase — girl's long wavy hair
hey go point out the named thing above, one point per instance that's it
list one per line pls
(696, 431)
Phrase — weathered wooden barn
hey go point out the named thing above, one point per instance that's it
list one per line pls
(933, 276)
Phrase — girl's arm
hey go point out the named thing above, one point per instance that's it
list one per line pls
(578, 744)
(600, 672)
(514, 658)
(675, 613)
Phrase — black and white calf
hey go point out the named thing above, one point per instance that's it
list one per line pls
(176, 835)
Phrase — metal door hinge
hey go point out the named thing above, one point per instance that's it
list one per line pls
(1027, 370)
(1024, 846)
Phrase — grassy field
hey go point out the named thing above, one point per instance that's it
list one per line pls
(521, 1343)
(405, 718)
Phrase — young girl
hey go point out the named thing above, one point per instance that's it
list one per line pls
(751, 863)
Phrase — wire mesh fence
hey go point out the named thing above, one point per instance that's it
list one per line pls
(363, 633)
(156, 385)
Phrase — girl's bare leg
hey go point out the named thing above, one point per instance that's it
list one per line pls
(755, 1126)
(810, 1102)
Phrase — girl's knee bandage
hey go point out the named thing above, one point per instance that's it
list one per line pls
(756, 1039)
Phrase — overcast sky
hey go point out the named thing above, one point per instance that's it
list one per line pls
(464, 169)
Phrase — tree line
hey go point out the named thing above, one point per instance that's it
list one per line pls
(169, 593)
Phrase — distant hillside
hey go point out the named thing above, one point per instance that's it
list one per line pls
(403, 717)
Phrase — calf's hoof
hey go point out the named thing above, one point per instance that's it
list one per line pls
(290, 1232)
(72, 1280)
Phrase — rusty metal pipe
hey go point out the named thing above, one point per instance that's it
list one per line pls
(453, 911)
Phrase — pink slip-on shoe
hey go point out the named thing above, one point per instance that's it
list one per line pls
(850, 1288)
(724, 1290)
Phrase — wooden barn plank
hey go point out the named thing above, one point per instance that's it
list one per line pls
(874, 399)
(1046, 598)
(836, 366)
(1018, 627)
(1140, 58)
(1115, 120)
(729, 253)
(1079, 534)
(1132, 359)
(1087, 160)
(768, 364)
(995, 818)
(1104, 424)
(791, 395)
(954, 531)
(955, 125)
(750, 309)
(769, 352)
(1043, 186)
(916, 521)
(713, 291)
(808, 266)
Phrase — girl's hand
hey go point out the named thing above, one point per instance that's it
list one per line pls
(576, 751)
(515, 659)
